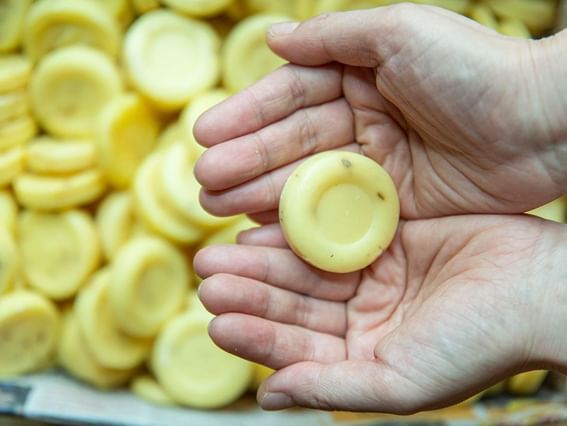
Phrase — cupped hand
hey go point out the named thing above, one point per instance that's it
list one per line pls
(464, 119)
(454, 305)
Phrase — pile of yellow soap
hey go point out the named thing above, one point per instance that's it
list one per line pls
(99, 212)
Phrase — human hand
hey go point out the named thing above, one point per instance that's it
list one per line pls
(454, 305)
(464, 119)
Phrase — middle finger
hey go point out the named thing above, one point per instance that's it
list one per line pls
(309, 130)
(261, 194)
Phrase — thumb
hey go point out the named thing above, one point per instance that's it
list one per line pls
(349, 385)
(359, 38)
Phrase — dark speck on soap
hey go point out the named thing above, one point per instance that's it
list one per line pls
(346, 163)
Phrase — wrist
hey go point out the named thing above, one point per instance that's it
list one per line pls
(548, 289)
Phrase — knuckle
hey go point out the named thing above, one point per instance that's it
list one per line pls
(297, 88)
(302, 310)
(262, 153)
(307, 134)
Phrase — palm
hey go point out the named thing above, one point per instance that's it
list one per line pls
(419, 315)
(452, 160)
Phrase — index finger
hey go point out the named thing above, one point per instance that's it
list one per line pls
(276, 96)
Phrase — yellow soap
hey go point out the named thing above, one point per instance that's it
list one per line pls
(339, 211)
(526, 383)
(147, 388)
(192, 369)
(28, 332)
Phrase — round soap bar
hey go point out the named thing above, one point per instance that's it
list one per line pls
(339, 211)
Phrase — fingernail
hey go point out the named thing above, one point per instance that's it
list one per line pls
(275, 401)
(282, 28)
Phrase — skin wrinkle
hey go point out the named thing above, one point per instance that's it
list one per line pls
(268, 306)
(418, 286)
(272, 193)
(417, 113)
(266, 270)
(431, 349)
(258, 109)
(308, 136)
(270, 350)
(440, 358)
(535, 98)
(303, 311)
(459, 171)
(297, 88)
(316, 383)
(267, 217)
(405, 374)
(557, 138)
(448, 264)
(386, 317)
(421, 204)
(385, 86)
(263, 155)
(385, 48)
(319, 19)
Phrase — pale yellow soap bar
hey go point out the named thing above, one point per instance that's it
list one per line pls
(339, 211)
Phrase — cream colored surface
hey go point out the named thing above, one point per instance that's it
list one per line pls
(149, 281)
(120, 10)
(147, 388)
(46, 155)
(172, 134)
(260, 373)
(192, 369)
(13, 105)
(154, 211)
(127, 132)
(191, 113)
(299, 9)
(515, 28)
(17, 132)
(199, 8)
(170, 58)
(180, 189)
(482, 14)
(555, 210)
(115, 221)
(9, 261)
(54, 24)
(228, 233)
(459, 6)
(11, 23)
(245, 56)
(110, 346)
(527, 383)
(143, 6)
(28, 332)
(8, 211)
(339, 211)
(15, 70)
(59, 251)
(537, 15)
(48, 193)
(70, 87)
(74, 355)
(11, 164)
